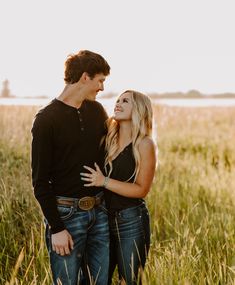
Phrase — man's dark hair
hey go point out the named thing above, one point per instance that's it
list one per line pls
(84, 61)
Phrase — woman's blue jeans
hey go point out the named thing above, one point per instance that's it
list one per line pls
(129, 243)
(90, 233)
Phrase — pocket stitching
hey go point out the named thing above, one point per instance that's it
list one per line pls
(67, 216)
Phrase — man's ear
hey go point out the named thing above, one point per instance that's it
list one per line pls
(85, 77)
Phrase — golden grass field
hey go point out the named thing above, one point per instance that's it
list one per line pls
(192, 201)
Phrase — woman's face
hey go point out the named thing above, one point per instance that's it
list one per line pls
(123, 107)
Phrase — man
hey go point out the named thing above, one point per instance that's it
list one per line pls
(66, 136)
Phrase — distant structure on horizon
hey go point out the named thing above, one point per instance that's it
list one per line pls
(5, 89)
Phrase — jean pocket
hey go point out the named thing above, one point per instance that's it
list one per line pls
(133, 214)
(130, 219)
(65, 212)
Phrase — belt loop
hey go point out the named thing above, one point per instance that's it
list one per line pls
(75, 204)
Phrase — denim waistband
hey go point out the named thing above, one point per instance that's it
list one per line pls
(137, 210)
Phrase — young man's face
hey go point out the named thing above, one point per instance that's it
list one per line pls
(95, 85)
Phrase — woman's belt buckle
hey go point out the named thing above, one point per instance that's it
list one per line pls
(86, 203)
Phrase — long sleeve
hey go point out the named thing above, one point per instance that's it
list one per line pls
(42, 161)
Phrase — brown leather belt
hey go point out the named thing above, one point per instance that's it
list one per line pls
(85, 203)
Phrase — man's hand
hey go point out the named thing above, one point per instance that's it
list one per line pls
(62, 242)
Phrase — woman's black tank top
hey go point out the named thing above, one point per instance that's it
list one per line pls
(123, 170)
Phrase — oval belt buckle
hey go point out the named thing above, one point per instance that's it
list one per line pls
(86, 203)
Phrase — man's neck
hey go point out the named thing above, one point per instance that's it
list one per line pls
(72, 96)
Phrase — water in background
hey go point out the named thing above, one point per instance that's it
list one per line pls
(109, 103)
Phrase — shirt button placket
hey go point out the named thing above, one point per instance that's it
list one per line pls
(80, 120)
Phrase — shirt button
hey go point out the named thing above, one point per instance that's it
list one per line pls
(82, 129)
(78, 112)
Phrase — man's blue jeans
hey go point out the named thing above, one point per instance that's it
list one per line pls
(129, 243)
(90, 233)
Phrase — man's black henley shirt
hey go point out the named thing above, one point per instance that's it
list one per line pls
(64, 139)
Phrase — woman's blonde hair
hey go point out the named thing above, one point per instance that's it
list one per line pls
(141, 118)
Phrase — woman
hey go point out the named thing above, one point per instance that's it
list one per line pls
(129, 167)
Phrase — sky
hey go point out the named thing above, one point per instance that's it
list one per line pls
(152, 46)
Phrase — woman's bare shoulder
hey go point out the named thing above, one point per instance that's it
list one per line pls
(147, 144)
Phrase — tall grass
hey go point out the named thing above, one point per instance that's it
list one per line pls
(191, 202)
(21, 230)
